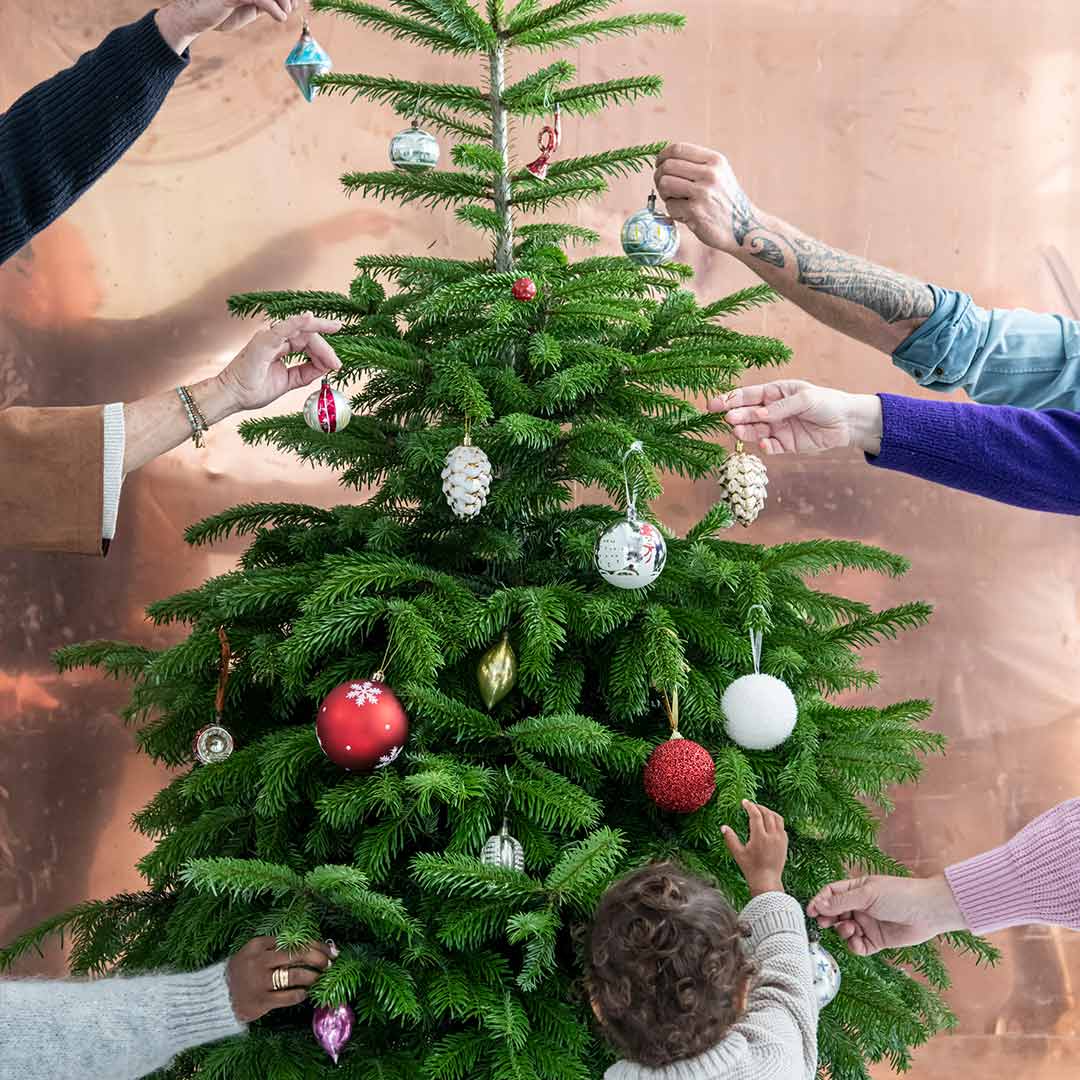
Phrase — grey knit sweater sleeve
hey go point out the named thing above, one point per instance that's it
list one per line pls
(776, 1038)
(109, 1029)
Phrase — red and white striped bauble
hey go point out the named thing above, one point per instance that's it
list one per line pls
(327, 410)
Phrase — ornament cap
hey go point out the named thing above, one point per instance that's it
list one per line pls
(652, 201)
(677, 735)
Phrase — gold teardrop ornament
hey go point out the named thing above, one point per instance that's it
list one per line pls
(497, 672)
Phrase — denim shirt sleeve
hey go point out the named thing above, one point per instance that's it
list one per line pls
(997, 357)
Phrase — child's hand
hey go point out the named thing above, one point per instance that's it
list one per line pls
(762, 857)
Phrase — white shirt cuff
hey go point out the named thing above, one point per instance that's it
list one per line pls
(114, 468)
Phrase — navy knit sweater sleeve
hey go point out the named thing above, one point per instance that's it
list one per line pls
(58, 138)
(1016, 456)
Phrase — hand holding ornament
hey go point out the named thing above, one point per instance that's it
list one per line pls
(251, 979)
(182, 21)
(791, 416)
(763, 857)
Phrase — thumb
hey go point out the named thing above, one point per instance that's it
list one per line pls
(734, 844)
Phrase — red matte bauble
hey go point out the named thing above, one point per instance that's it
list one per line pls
(524, 289)
(361, 725)
(680, 776)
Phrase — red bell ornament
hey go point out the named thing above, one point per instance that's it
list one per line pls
(524, 289)
(361, 725)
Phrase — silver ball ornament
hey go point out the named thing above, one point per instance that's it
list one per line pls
(503, 850)
(327, 410)
(212, 744)
(414, 149)
(760, 711)
(825, 972)
(631, 554)
(650, 238)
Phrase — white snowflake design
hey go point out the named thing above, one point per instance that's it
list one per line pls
(365, 693)
(390, 755)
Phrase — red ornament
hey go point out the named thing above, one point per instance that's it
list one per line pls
(361, 725)
(524, 289)
(548, 142)
(680, 776)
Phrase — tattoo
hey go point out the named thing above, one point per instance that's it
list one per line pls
(895, 297)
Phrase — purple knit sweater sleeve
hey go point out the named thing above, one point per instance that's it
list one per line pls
(1016, 456)
(1031, 879)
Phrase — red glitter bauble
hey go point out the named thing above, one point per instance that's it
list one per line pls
(680, 776)
(524, 289)
(361, 725)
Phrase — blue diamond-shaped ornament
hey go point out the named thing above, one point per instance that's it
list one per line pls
(307, 60)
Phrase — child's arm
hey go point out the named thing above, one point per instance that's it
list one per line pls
(778, 1029)
(779, 1026)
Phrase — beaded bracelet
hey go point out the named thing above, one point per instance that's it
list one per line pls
(194, 414)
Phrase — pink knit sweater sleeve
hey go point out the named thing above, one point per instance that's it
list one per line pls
(1034, 878)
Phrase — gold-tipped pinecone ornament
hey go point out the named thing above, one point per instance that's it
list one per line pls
(744, 484)
(466, 479)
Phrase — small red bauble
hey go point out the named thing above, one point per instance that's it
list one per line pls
(361, 726)
(524, 289)
(680, 776)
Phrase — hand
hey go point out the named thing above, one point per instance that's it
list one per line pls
(699, 188)
(250, 974)
(258, 374)
(761, 859)
(182, 21)
(874, 913)
(790, 416)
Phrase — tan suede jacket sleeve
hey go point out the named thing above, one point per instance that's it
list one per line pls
(52, 466)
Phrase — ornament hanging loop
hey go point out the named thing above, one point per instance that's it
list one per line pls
(636, 447)
(548, 142)
(223, 675)
(756, 637)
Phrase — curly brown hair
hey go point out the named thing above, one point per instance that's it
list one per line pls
(665, 966)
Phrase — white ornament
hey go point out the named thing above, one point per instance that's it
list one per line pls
(631, 554)
(327, 410)
(503, 850)
(759, 711)
(414, 149)
(825, 972)
(744, 483)
(466, 479)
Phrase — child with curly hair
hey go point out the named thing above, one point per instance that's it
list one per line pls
(686, 989)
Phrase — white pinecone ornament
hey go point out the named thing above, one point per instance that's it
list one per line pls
(466, 479)
(744, 485)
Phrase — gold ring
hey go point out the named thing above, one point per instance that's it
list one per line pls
(280, 978)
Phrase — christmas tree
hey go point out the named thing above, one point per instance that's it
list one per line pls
(457, 961)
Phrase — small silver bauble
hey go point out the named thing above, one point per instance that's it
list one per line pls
(327, 410)
(825, 972)
(503, 850)
(414, 149)
(631, 554)
(650, 238)
(213, 743)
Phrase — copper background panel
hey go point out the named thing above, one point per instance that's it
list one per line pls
(939, 138)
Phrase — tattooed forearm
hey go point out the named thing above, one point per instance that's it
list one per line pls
(895, 297)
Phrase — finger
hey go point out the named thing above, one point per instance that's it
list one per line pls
(321, 352)
(315, 956)
(700, 155)
(774, 823)
(684, 170)
(734, 844)
(783, 409)
(839, 897)
(282, 999)
(679, 210)
(746, 395)
(675, 187)
(771, 446)
(275, 10)
(306, 323)
(745, 414)
(266, 941)
(757, 821)
(302, 977)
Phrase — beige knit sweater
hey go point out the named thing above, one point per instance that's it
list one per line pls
(776, 1039)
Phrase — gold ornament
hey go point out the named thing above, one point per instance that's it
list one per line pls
(497, 672)
(743, 485)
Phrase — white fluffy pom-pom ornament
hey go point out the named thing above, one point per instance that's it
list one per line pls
(759, 711)
(744, 485)
(466, 479)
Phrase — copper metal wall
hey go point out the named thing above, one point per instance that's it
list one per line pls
(939, 138)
